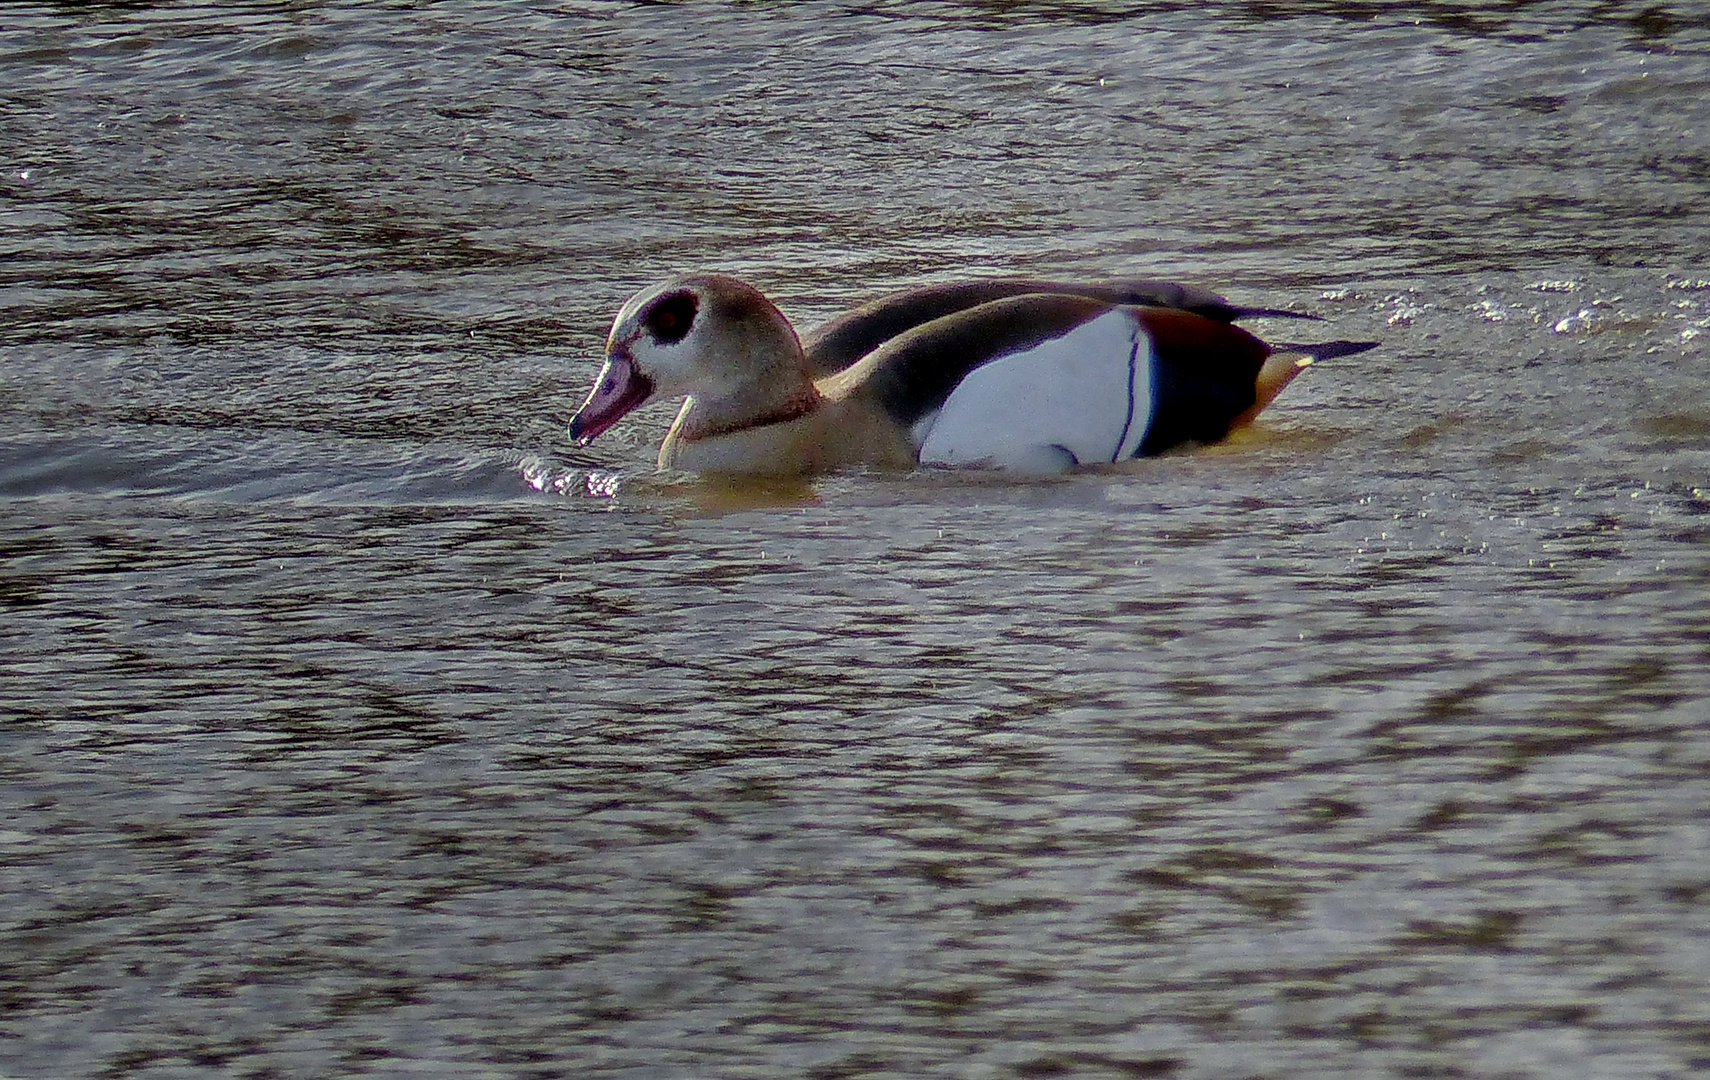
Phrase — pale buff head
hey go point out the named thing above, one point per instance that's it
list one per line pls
(707, 335)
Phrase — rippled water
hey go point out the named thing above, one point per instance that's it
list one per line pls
(354, 724)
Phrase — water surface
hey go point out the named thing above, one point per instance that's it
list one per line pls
(355, 724)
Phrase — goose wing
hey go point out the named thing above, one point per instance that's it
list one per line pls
(839, 343)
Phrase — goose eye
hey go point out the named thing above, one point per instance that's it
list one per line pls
(670, 317)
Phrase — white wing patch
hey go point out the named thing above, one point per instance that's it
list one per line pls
(1082, 398)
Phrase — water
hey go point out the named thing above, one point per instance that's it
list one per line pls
(354, 724)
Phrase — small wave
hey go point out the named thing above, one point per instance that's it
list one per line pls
(133, 463)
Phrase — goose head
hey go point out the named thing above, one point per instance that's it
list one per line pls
(712, 338)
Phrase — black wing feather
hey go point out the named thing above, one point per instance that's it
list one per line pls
(847, 338)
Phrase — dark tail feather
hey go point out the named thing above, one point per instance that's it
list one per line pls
(1330, 350)
(1268, 313)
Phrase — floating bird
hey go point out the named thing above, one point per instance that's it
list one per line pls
(1015, 373)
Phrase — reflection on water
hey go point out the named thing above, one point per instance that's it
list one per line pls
(356, 725)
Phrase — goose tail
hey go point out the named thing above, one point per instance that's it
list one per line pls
(1327, 350)
(1287, 361)
(1237, 312)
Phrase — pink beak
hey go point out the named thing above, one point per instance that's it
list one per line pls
(619, 389)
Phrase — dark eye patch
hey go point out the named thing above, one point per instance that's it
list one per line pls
(668, 318)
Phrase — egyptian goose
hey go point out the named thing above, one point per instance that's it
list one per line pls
(1033, 375)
